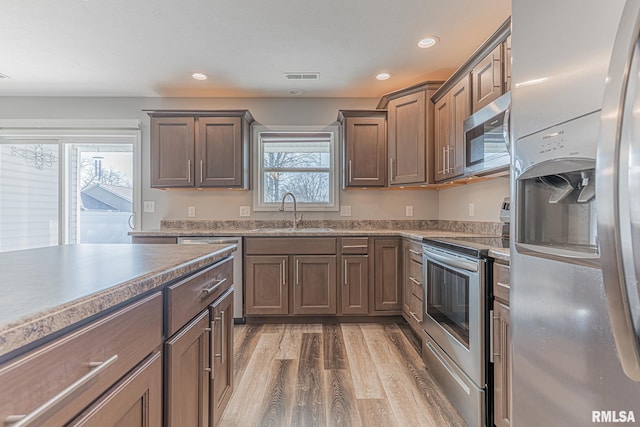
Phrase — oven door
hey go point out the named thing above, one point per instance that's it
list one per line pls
(454, 307)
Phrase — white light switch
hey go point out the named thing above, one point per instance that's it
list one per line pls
(191, 211)
(408, 210)
(345, 210)
(149, 206)
(472, 209)
(245, 211)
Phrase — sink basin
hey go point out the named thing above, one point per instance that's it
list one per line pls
(292, 230)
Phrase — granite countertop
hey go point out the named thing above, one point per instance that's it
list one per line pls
(44, 290)
(502, 254)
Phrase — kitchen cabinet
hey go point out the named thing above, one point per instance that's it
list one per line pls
(200, 149)
(410, 117)
(221, 388)
(387, 267)
(364, 148)
(296, 276)
(413, 291)
(486, 78)
(506, 71)
(355, 275)
(501, 346)
(90, 359)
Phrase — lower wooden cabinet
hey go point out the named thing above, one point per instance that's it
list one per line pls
(355, 284)
(221, 384)
(412, 286)
(135, 401)
(314, 284)
(387, 275)
(188, 371)
(501, 347)
(266, 280)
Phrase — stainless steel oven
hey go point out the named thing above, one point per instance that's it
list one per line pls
(454, 318)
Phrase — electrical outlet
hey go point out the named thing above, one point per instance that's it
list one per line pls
(149, 206)
(408, 210)
(245, 211)
(472, 209)
(345, 210)
(191, 211)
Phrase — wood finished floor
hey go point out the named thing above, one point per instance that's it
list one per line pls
(333, 375)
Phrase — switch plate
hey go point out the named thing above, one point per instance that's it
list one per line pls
(408, 210)
(472, 209)
(149, 206)
(245, 211)
(345, 210)
(191, 211)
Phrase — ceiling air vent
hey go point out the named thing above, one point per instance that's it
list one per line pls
(302, 76)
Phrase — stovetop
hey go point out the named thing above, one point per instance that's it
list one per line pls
(476, 247)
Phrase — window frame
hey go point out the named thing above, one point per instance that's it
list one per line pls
(66, 132)
(258, 167)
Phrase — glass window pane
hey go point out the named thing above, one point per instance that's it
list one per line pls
(102, 200)
(296, 155)
(308, 187)
(28, 196)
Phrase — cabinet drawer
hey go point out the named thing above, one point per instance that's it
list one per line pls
(414, 251)
(355, 245)
(190, 296)
(288, 245)
(92, 358)
(416, 289)
(415, 308)
(501, 286)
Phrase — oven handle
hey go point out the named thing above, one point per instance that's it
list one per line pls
(452, 262)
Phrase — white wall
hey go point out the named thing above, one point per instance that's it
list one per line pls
(224, 204)
(486, 197)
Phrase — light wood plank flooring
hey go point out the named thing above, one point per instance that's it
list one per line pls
(333, 375)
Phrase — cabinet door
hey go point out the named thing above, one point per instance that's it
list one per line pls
(172, 152)
(314, 284)
(355, 284)
(387, 275)
(266, 285)
(219, 146)
(365, 152)
(501, 366)
(222, 355)
(442, 136)
(135, 401)
(407, 139)
(487, 79)
(507, 65)
(460, 99)
(188, 367)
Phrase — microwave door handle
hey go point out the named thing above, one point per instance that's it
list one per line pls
(622, 293)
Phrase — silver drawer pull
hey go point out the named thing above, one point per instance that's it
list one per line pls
(355, 247)
(24, 420)
(415, 317)
(212, 351)
(206, 292)
(415, 252)
(415, 281)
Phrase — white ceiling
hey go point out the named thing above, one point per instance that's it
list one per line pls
(151, 47)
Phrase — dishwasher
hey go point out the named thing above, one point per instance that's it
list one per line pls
(238, 312)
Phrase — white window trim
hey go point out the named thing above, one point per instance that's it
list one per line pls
(64, 131)
(334, 179)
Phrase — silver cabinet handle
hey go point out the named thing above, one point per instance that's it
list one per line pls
(355, 247)
(189, 170)
(24, 420)
(615, 150)
(283, 273)
(449, 168)
(346, 275)
(491, 335)
(415, 317)
(415, 252)
(350, 171)
(413, 279)
(391, 169)
(297, 272)
(212, 347)
(201, 171)
(222, 339)
(206, 292)
(444, 159)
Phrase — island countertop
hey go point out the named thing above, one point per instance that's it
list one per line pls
(45, 290)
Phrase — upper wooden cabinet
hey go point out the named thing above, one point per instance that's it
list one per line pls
(200, 149)
(487, 83)
(450, 112)
(506, 72)
(410, 118)
(365, 147)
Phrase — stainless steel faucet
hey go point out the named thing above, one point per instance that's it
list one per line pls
(295, 209)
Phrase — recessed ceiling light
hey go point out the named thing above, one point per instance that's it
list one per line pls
(296, 92)
(199, 76)
(428, 42)
(383, 76)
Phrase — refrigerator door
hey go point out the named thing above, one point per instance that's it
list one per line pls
(617, 190)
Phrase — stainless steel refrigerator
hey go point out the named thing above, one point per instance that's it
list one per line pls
(575, 252)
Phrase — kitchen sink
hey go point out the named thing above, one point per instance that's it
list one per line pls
(292, 230)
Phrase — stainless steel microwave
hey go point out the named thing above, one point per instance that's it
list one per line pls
(486, 138)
